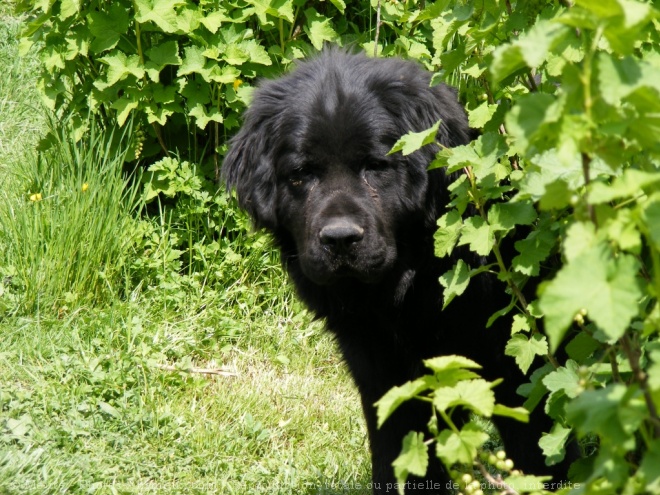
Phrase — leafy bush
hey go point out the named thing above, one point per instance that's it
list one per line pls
(567, 98)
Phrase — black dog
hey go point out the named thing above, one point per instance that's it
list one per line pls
(355, 228)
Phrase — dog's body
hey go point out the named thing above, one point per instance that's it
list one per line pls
(355, 228)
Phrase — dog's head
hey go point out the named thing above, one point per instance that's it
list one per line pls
(310, 162)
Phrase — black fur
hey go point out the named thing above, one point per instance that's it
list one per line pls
(356, 232)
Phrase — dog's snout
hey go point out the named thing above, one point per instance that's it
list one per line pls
(340, 234)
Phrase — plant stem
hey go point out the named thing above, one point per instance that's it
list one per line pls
(640, 376)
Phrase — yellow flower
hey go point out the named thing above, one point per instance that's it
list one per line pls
(85, 186)
(35, 197)
(237, 83)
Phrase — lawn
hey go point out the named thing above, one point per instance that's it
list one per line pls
(154, 388)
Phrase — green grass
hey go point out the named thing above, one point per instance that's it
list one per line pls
(105, 394)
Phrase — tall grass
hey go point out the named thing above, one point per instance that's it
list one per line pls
(65, 225)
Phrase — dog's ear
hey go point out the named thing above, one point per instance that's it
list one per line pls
(249, 168)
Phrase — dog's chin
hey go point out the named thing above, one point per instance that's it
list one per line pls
(339, 273)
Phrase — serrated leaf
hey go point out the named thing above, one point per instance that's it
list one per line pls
(319, 28)
(478, 235)
(193, 61)
(565, 379)
(455, 281)
(518, 413)
(461, 447)
(649, 469)
(553, 444)
(520, 324)
(606, 288)
(204, 116)
(614, 413)
(166, 53)
(396, 396)
(448, 233)
(505, 216)
(413, 141)
(443, 363)
(413, 459)
(339, 4)
(651, 217)
(529, 50)
(213, 20)
(124, 107)
(257, 53)
(533, 251)
(161, 12)
(107, 28)
(481, 115)
(581, 347)
(629, 184)
(580, 238)
(525, 350)
(119, 68)
(475, 395)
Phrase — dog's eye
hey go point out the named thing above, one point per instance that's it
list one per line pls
(298, 177)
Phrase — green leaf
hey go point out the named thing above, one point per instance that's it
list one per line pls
(630, 184)
(518, 413)
(524, 350)
(413, 141)
(461, 447)
(651, 217)
(624, 21)
(475, 395)
(119, 68)
(455, 281)
(581, 347)
(564, 379)
(161, 56)
(520, 324)
(649, 469)
(481, 115)
(204, 116)
(533, 251)
(161, 12)
(505, 216)
(448, 233)
(614, 413)
(213, 20)
(319, 28)
(413, 459)
(478, 235)
(396, 396)
(529, 50)
(552, 444)
(606, 288)
(257, 53)
(194, 61)
(107, 28)
(441, 364)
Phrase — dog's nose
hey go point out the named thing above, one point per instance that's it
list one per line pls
(339, 234)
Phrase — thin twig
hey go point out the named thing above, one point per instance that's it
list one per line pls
(377, 29)
(642, 378)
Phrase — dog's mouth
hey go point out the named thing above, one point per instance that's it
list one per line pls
(326, 267)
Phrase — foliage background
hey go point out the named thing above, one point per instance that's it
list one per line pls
(566, 95)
